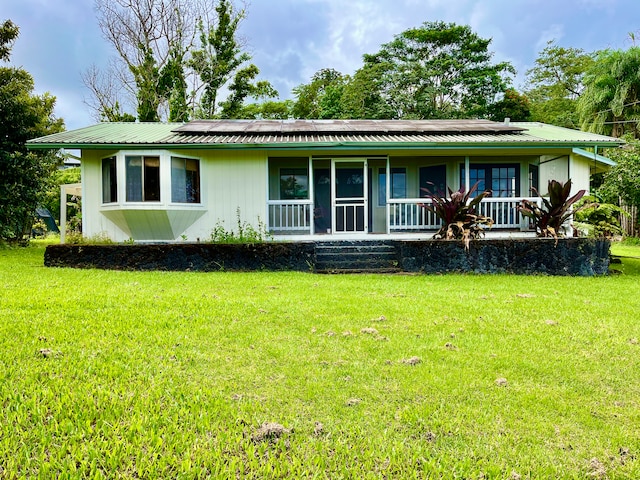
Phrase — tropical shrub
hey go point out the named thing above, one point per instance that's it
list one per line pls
(555, 211)
(458, 214)
(595, 219)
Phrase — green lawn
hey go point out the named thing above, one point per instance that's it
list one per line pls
(172, 375)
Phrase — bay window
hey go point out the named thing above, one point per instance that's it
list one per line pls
(185, 180)
(142, 178)
(109, 180)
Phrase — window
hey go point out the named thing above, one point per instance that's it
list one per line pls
(502, 180)
(534, 175)
(109, 180)
(185, 180)
(398, 184)
(433, 179)
(294, 184)
(142, 178)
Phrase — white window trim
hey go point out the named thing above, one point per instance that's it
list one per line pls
(165, 181)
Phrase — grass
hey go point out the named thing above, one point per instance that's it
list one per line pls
(294, 375)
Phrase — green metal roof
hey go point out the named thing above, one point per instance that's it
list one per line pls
(555, 133)
(594, 156)
(312, 134)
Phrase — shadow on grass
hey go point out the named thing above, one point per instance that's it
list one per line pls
(629, 266)
(628, 253)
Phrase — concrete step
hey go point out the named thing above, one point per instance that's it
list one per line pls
(359, 270)
(372, 248)
(356, 257)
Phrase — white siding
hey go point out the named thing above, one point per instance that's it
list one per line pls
(580, 173)
(553, 168)
(95, 224)
(561, 168)
(231, 180)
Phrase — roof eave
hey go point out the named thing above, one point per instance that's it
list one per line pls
(317, 145)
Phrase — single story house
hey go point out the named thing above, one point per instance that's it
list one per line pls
(313, 179)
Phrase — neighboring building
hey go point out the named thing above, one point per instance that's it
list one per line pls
(307, 179)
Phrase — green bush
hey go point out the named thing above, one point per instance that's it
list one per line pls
(243, 233)
(596, 219)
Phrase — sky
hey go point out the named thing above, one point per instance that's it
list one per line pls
(290, 40)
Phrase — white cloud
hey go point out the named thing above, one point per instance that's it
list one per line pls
(552, 32)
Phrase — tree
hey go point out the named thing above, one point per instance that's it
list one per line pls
(144, 35)
(513, 105)
(362, 96)
(158, 57)
(220, 62)
(147, 79)
(24, 176)
(610, 103)
(439, 70)
(51, 199)
(8, 34)
(275, 110)
(105, 95)
(556, 83)
(622, 181)
(173, 84)
(321, 97)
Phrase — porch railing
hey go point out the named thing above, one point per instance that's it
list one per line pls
(350, 214)
(290, 216)
(407, 214)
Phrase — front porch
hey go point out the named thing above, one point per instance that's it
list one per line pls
(356, 198)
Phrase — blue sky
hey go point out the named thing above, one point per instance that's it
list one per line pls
(292, 39)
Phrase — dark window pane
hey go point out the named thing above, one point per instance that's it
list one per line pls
(294, 184)
(109, 180)
(350, 183)
(185, 180)
(193, 181)
(382, 187)
(398, 183)
(133, 167)
(151, 179)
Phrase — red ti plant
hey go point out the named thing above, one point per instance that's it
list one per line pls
(458, 214)
(555, 210)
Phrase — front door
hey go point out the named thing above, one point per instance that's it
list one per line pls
(349, 196)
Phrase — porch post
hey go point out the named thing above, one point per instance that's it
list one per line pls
(467, 174)
(312, 228)
(268, 207)
(365, 194)
(387, 191)
(333, 196)
(63, 213)
(595, 165)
